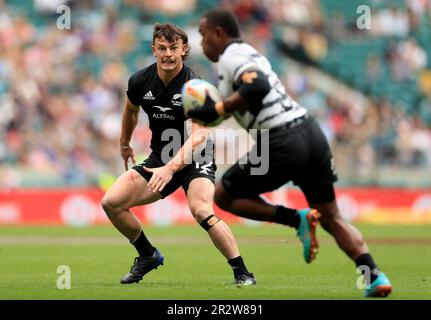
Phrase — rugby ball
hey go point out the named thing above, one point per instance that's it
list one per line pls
(193, 96)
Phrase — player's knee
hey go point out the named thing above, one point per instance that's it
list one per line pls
(329, 218)
(328, 223)
(201, 205)
(106, 204)
(201, 212)
(109, 205)
(221, 198)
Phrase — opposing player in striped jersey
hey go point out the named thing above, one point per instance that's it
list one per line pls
(298, 149)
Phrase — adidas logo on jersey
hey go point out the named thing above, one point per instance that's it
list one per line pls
(149, 96)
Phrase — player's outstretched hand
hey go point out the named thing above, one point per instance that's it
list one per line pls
(160, 178)
(205, 114)
(127, 153)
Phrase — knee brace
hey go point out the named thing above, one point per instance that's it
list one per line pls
(209, 222)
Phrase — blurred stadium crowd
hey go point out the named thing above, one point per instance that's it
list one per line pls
(62, 90)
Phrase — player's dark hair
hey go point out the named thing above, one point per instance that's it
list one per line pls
(224, 19)
(171, 33)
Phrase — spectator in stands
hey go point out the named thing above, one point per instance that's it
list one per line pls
(61, 90)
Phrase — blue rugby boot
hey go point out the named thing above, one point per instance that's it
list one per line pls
(308, 221)
(380, 287)
(141, 266)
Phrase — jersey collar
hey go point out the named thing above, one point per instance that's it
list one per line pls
(231, 42)
(161, 83)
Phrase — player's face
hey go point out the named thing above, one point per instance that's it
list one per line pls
(168, 54)
(209, 40)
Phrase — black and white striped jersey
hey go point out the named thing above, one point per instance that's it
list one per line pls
(276, 108)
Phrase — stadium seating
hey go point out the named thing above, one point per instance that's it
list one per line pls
(357, 50)
(346, 58)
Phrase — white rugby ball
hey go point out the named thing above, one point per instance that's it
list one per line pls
(193, 96)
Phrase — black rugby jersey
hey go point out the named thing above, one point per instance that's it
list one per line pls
(162, 104)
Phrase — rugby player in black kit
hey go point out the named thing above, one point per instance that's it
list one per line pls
(157, 89)
(298, 149)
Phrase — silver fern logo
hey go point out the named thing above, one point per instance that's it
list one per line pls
(176, 100)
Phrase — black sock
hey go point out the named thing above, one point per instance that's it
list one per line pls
(366, 260)
(238, 266)
(143, 246)
(286, 216)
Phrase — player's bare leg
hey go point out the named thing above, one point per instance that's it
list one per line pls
(348, 238)
(351, 241)
(256, 208)
(304, 221)
(128, 191)
(200, 196)
(250, 208)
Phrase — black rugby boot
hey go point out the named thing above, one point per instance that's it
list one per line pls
(141, 266)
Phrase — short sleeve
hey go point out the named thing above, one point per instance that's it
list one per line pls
(233, 65)
(132, 91)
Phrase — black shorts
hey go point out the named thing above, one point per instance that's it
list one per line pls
(298, 153)
(183, 177)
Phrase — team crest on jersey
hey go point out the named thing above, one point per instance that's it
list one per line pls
(176, 100)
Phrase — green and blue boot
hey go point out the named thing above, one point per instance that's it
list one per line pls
(308, 221)
(380, 287)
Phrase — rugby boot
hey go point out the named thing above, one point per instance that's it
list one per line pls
(244, 280)
(380, 287)
(308, 221)
(141, 266)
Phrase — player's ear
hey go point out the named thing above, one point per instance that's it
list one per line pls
(154, 50)
(218, 31)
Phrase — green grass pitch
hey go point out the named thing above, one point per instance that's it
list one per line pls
(99, 256)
